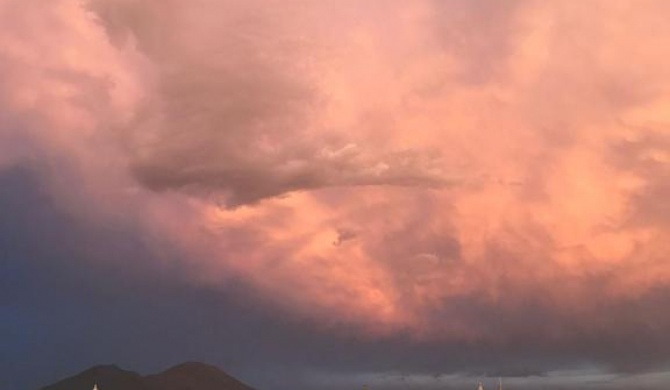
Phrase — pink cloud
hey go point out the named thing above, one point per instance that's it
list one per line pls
(388, 164)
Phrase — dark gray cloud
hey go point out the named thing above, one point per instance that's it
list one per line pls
(57, 302)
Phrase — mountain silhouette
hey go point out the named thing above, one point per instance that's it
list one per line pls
(193, 376)
(185, 376)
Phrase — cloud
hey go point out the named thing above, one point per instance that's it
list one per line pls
(238, 111)
(480, 176)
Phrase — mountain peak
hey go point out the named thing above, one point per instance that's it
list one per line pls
(105, 376)
(189, 375)
(106, 369)
(188, 367)
(195, 375)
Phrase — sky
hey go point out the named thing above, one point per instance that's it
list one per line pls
(324, 194)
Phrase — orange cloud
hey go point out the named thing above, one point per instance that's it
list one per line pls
(394, 166)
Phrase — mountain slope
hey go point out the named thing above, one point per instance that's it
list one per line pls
(194, 376)
(186, 376)
(106, 377)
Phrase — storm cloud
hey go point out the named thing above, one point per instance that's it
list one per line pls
(443, 187)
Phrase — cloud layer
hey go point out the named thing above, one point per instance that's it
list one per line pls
(468, 173)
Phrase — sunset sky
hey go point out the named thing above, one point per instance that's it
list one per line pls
(321, 194)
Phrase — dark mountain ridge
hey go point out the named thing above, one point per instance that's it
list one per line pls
(185, 376)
